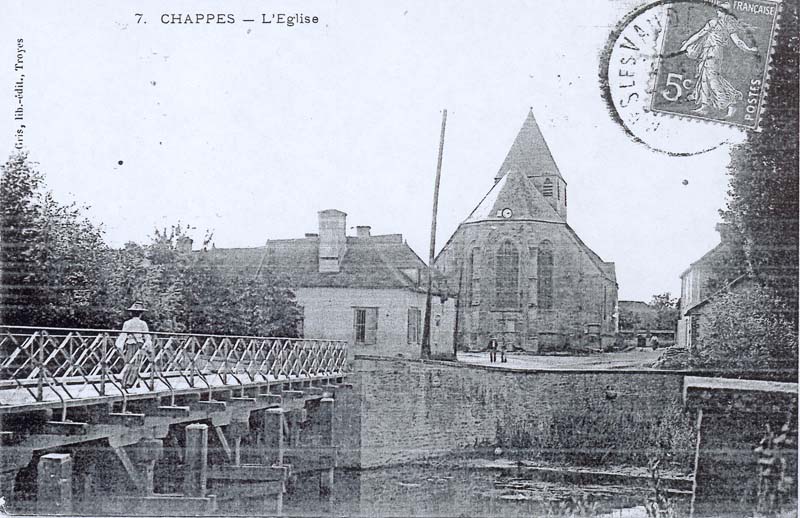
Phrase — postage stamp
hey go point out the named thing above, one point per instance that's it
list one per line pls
(714, 60)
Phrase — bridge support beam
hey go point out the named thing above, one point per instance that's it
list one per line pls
(274, 423)
(195, 479)
(147, 453)
(54, 484)
(325, 417)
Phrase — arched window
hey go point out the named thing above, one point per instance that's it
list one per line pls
(545, 275)
(507, 275)
(474, 286)
(547, 188)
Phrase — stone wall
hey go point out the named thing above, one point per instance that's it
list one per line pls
(411, 410)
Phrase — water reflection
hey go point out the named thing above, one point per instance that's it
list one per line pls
(439, 491)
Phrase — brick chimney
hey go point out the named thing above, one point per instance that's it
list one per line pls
(332, 240)
(363, 230)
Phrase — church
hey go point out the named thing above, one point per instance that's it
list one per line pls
(522, 274)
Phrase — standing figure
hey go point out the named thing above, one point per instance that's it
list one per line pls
(133, 342)
(503, 348)
(492, 350)
(707, 46)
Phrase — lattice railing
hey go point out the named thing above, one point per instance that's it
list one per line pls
(59, 363)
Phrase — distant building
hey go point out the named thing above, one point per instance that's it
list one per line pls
(368, 290)
(696, 289)
(522, 273)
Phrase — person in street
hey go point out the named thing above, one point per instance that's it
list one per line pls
(503, 348)
(133, 342)
(492, 350)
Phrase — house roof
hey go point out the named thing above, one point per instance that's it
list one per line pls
(516, 192)
(529, 153)
(705, 259)
(369, 262)
(725, 289)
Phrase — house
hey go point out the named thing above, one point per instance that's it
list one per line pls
(696, 286)
(368, 290)
(522, 273)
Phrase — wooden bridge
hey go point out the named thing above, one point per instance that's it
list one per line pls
(165, 423)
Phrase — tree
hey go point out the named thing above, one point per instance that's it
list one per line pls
(666, 307)
(749, 329)
(20, 214)
(762, 205)
(52, 257)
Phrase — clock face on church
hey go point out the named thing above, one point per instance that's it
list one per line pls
(506, 213)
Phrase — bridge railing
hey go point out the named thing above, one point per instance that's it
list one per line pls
(61, 363)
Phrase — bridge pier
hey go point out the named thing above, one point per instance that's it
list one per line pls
(195, 461)
(54, 484)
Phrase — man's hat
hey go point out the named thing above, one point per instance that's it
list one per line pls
(137, 306)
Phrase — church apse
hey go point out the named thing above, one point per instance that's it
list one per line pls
(524, 276)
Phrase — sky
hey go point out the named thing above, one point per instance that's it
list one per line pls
(249, 129)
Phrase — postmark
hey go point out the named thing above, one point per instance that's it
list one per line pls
(633, 63)
(714, 60)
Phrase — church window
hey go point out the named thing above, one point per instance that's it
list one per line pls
(565, 195)
(475, 277)
(507, 275)
(547, 189)
(545, 275)
(558, 189)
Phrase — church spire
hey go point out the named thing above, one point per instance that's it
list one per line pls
(529, 153)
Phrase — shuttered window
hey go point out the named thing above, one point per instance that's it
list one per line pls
(365, 324)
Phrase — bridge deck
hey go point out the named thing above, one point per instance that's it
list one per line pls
(67, 367)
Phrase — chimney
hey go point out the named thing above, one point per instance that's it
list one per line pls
(332, 240)
(184, 243)
(725, 232)
(363, 230)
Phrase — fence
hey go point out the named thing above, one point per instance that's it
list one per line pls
(59, 363)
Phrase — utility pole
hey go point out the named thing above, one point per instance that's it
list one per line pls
(425, 352)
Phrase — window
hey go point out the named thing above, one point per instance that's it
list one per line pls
(414, 318)
(474, 295)
(507, 275)
(547, 188)
(565, 195)
(545, 275)
(365, 323)
(558, 189)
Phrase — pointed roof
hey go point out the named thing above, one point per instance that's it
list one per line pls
(529, 153)
(516, 192)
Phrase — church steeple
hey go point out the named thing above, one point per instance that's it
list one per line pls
(530, 155)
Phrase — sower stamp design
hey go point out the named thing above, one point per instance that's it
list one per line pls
(714, 60)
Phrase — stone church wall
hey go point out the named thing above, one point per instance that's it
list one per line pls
(579, 290)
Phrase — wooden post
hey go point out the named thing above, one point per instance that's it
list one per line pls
(326, 482)
(325, 416)
(54, 484)
(273, 436)
(195, 478)
(148, 451)
(426, 330)
(699, 424)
